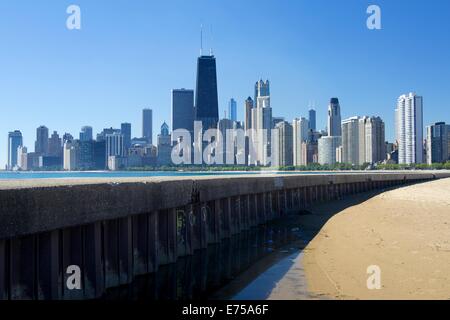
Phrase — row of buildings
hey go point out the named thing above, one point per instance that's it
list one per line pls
(266, 140)
(110, 149)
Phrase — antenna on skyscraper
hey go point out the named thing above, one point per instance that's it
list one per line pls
(210, 49)
(201, 40)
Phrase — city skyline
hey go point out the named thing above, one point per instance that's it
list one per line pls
(92, 90)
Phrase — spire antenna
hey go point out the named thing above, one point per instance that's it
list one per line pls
(201, 39)
(211, 39)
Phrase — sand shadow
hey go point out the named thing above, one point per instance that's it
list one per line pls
(258, 283)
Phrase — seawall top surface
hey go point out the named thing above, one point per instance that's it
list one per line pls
(35, 206)
(60, 182)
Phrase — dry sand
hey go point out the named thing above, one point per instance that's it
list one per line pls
(406, 232)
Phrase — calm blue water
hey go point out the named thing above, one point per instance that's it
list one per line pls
(6, 175)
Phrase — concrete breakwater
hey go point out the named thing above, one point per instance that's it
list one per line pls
(107, 232)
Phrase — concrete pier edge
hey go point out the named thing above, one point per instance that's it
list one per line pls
(119, 229)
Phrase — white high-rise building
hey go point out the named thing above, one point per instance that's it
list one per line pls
(283, 143)
(69, 156)
(300, 134)
(409, 128)
(350, 141)
(115, 144)
(328, 146)
(374, 140)
(262, 126)
(22, 157)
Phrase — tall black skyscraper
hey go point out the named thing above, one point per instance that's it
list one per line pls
(125, 129)
(206, 98)
(41, 144)
(312, 119)
(147, 125)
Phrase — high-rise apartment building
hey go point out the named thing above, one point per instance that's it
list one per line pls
(115, 145)
(409, 128)
(261, 130)
(374, 140)
(350, 141)
(70, 152)
(282, 150)
(15, 141)
(327, 149)
(22, 157)
(363, 140)
(448, 131)
(437, 143)
(300, 135)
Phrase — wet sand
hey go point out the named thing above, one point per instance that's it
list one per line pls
(406, 232)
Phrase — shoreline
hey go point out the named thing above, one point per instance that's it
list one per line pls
(405, 231)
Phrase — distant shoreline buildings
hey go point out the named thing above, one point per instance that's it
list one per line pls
(261, 139)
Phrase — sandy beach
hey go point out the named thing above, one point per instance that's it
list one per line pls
(405, 232)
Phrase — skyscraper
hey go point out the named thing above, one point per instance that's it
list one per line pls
(409, 128)
(164, 146)
(206, 96)
(437, 143)
(300, 135)
(448, 135)
(147, 125)
(350, 141)
(262, 125)
(114, 145)
(22, 157)
(55, 145)
(232, 110)
(85, 155)
(86, 133)
(183, 110)
(374, 140)
(125, 129)
(334, 118)
(262, 89)
(67, 137)
(282, 150)
(41, 144)
(70, 151)
(328, 146)
(312, 119)
(249, 104)
(15, 141)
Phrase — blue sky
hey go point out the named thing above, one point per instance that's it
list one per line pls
(130, 54)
